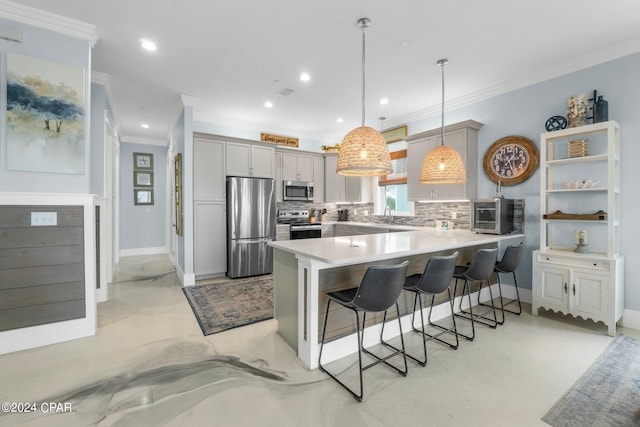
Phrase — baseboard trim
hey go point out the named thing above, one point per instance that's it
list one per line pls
(631, 319)
(144, 251)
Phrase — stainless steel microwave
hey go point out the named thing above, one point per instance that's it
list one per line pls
(297, 190)
(492, 216)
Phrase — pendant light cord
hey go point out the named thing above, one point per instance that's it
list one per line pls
(442, 63)
(363, 25)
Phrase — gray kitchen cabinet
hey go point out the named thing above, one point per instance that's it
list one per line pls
(306, 167)
(328, 230)
(462, 137)
(282, 231)
(209, 207)
(250, 160)
(339, 188)
(318, 179)
(208, 166)
(297, 167)
(210, 249)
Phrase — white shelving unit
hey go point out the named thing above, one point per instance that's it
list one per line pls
(587, 285)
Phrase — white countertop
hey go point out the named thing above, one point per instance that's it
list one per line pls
(374, 247)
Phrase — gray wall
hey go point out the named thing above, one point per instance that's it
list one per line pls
(143, 226)
(54, 47)
(178, 139)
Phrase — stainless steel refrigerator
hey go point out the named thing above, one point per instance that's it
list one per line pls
(251, 224)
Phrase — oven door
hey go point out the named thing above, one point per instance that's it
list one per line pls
(305, 232)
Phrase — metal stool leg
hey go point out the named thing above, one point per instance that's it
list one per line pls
(442, 328)
(468, 315)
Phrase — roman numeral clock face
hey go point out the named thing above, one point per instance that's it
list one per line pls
(511, 160)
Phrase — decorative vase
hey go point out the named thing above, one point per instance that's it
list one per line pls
(578, 109)
(600, 110)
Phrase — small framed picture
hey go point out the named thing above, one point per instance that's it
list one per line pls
(142, 179)
(142, 196)
(143, 161)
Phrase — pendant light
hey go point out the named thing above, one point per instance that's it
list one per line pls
(363, 151)
(443, 165)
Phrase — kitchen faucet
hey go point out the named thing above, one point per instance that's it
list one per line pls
(386, 208)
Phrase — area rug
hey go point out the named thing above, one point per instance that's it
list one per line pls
(231, 303)
(607, 394)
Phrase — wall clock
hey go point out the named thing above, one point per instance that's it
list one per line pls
(511, 160)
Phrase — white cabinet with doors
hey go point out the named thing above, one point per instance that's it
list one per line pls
(580, 199)
(339, 188)
(462, 137)
(252, 160)
(209, 190)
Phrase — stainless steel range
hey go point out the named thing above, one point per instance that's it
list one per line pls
(299, 225)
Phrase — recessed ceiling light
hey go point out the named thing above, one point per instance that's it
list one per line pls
(145, 126)
(339, 120)
(384, 101)
(305, 77)
(268, 104)
(148, 45)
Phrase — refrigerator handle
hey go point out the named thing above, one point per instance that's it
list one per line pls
(253, 241)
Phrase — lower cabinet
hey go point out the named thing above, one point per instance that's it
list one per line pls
(328, 230)
(590, 287)
(210, 254)
(282, 231)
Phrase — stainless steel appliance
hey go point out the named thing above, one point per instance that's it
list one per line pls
(297, 190)
(299, 225)
(251, 224)
(492, 216)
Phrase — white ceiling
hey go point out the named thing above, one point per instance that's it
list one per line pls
(229, 57)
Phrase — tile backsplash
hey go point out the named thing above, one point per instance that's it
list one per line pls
(426, 214)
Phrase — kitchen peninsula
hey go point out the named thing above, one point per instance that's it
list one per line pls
(304, 270)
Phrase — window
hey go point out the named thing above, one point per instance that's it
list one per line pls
(392, 188)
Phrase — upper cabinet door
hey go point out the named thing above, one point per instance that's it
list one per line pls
(208, 170)
(263, 162)
(297, 167)
(250, 160)
(318, 179)
(238, 159)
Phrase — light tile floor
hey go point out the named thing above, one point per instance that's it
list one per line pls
(149, 365)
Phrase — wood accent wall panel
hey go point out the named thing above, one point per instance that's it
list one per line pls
(42, 276)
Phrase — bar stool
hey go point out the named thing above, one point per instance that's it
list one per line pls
(479, 270)
(433, 281)
(378, 291)
(508, 264)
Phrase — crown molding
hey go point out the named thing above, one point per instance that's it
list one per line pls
(144, 141)
(48, 21)
(629, 47)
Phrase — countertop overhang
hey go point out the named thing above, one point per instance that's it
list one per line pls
(347, 250)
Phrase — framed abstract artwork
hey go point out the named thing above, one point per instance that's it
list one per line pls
(45, 116)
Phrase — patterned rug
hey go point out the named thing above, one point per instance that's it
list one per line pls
(607, 394)
(231, 303)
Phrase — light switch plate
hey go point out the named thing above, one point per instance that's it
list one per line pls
(39, 219)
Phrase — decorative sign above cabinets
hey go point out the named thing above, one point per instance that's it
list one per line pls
(278, 139)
